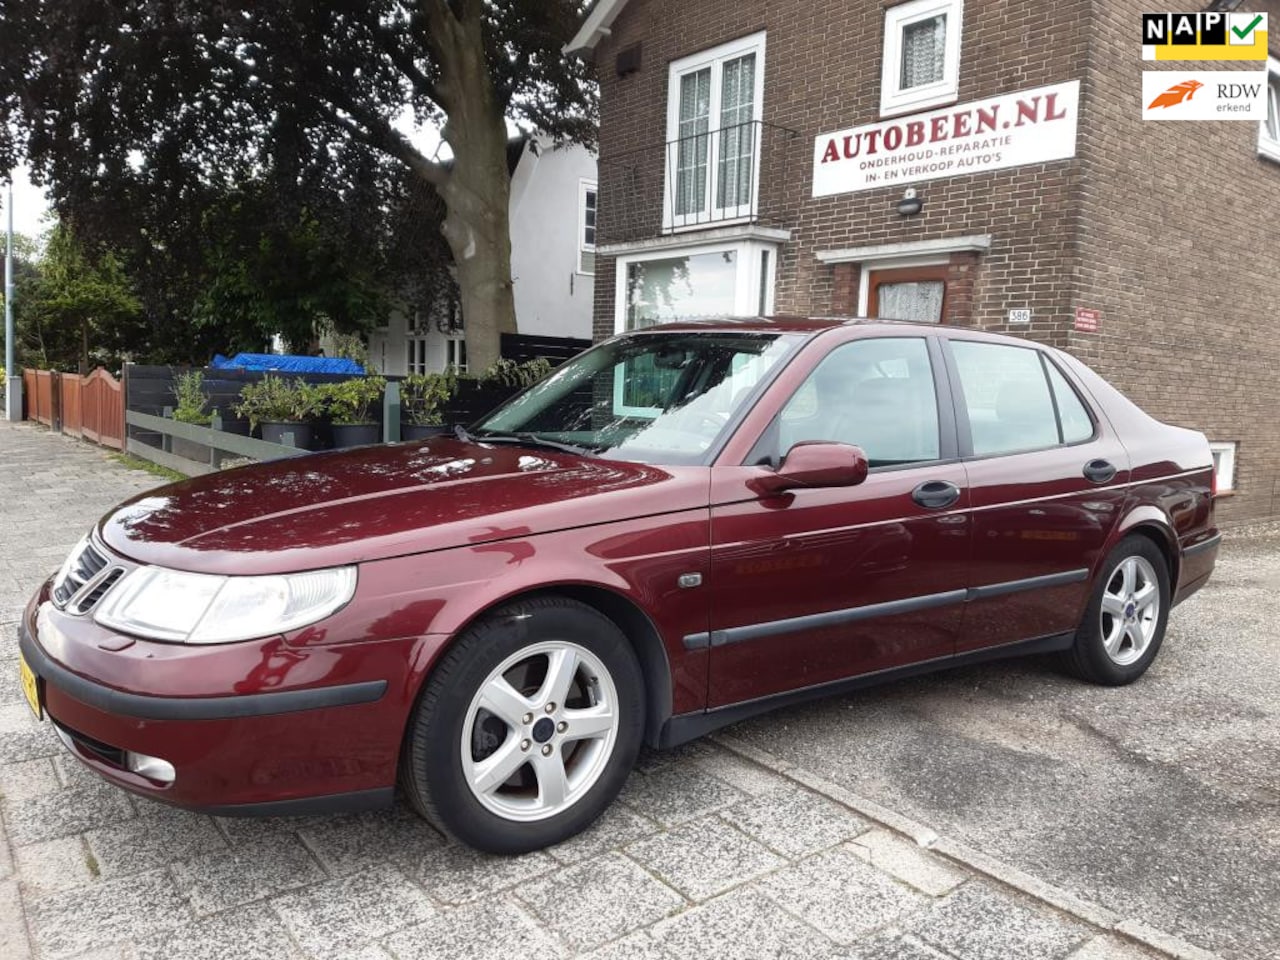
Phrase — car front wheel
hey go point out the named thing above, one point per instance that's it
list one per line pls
(528, 728)
(1124, 623)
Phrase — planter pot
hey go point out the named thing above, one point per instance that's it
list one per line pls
(422, 431)
(355, 434)
(274, 433)
(239, 427)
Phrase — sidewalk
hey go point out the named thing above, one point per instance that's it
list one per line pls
(714, 850)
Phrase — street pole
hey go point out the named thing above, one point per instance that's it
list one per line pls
(13, 388)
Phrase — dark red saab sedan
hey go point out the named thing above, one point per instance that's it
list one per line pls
(680, 528)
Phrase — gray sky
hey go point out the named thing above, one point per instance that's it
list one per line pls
(29, 205)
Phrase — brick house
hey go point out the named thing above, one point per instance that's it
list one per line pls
(1044, 192)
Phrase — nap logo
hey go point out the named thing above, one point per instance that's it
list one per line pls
(1204, 36)
(1204, 95)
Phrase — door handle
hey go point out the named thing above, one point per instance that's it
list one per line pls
(1099, 471)
(936, 494)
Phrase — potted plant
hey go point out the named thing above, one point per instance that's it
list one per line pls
(192, 407)
(422, 400)
(280, 407)
(349, 404)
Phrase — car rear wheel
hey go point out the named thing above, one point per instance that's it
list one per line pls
(528, 728)
(1124, 623)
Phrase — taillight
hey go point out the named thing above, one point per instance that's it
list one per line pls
(1213, 482)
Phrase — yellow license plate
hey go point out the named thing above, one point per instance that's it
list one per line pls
(31, 687)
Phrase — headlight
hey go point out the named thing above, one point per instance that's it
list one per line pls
(199, 608)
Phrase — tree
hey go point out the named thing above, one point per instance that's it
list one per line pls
(202, 94)
(82, 309)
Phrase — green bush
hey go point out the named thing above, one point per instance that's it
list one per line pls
(424, 395)
(193, 402)
(273, 400)
(350, 401)
(513, 374)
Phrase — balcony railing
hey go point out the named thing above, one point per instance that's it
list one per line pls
(737, 174)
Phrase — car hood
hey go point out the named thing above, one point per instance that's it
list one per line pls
(376, 502)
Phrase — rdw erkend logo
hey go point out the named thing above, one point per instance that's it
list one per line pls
(1178, 93)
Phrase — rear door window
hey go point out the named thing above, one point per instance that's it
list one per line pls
(1012, 401)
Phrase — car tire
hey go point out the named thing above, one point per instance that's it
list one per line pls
(527, 729)
(1124, 623)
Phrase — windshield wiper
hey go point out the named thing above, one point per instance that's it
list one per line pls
(528, 440)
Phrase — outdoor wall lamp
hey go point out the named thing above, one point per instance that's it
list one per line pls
(910, 204)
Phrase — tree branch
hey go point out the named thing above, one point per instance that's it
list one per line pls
(372, 129)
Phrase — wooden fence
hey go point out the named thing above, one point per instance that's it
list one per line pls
(90, 407)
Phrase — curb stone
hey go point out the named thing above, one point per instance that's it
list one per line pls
(1092, 914)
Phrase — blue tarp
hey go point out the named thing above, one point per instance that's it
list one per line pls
(286, 364)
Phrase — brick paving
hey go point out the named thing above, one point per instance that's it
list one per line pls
(713, 851)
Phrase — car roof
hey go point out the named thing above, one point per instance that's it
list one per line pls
(815, 325)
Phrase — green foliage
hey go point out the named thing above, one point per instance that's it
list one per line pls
(141, 115)
(193, 402)
(79, 308)
(275, 400)
(512, 374)
(293, 278)
(350, 401)
(424, 395)
(137, 463)
(350, 346)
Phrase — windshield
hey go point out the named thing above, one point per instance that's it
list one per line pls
(662, 398)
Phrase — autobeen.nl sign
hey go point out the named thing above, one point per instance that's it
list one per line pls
(1031, 126)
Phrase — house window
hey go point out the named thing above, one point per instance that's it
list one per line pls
(587, 226)
(1224, 465)
(417, 351)
(455, 356)
(921, 55)
(1269, 135)
(918, 294)
(713, 133)
(721, 280)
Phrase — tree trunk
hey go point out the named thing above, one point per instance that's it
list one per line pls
(477, 192)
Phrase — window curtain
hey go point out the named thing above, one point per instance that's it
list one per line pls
(920, 302)
(924, 52)
(737, 135)
(693, 143)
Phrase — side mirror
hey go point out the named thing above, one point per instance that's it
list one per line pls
(817, 463)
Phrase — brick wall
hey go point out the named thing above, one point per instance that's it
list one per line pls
(1113, 229)
(1180, 250)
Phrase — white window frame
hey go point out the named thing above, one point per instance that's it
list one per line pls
(585, 187)
(746, 292)
(1224, 464)
(1267, 147)
(454, 348)
(894, 100)
(714, 58)
(419, 363)
(747, 283)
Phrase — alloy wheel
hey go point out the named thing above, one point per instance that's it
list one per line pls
(1130, 610)
(539, 731)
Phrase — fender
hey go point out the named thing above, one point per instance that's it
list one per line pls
(631, 570)
(1149, 518)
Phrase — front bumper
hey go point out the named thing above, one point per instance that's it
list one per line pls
(261, 727)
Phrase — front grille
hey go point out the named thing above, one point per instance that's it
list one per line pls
(85, 580)
(97, 591)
